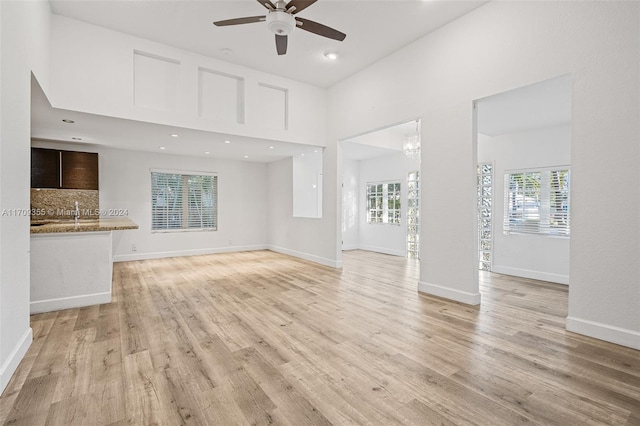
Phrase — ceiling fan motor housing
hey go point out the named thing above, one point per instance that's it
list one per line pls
(280, 22)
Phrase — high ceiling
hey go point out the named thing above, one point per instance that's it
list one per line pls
(374, 30)
(89, 129)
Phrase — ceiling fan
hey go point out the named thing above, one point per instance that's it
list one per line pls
(281, 21)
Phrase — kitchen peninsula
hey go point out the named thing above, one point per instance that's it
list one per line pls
(72, 262)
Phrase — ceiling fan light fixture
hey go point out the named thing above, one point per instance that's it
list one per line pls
(280, 22)
(330, 55)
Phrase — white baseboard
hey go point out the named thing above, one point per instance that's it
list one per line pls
(307, 256)
(11, 364)
(449, 293)
(609, 333)
(384, 250)
(49, 305)
(348, 247)
(534, 275)
(194, 252)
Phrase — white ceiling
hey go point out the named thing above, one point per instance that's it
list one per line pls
(374, 30)
(543, 104)
(379, 143)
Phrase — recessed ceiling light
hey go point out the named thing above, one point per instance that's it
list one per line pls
(315, 150)
(66, 120)
(207, 152)
(227, 141)
(226, 51)
(271, 147)
(77, 139)
(332, 56)
(174, 135)
(246, 156)
(301, 155)
(162, 147)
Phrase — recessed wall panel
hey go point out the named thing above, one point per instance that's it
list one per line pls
(220, 96)
(155, 81)
(274, 106)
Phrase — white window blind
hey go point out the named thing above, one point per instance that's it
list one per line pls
(183, 201)
(537, 202)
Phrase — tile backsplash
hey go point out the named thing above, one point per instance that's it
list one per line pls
(59, 203)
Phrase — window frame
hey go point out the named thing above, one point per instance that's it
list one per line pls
(185, 201)
(535, 213)
(378, 199)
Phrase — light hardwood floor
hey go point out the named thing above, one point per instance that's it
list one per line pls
(262, 338)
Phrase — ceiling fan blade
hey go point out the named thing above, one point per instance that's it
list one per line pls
(237, 21)
(281, 44)
(316, 28)
(299, 5)
(268, 4)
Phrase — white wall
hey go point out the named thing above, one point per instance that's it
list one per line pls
(125, 183)
(525, 255)
(495, 48)
(92, 71)
(307, 185)
(24, 38)
(95, 70)
(350, 204)
(296, 236)
(384, 238)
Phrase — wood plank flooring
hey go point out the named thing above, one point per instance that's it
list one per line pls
(260, 338)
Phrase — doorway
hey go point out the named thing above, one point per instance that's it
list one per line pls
(523, 191)
(381, 190)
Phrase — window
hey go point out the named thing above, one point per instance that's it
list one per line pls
(537, 202)
(383, 203)
(184, 201)
(413, 215)
(485, 215)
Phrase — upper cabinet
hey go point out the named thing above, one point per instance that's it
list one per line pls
(51, 168)
(45, 168)
(79, 170)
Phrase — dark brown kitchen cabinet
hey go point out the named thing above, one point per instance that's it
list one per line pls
(45, 168)
(51, 168)
(79, 170)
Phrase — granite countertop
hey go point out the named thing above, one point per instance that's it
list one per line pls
(83, 225)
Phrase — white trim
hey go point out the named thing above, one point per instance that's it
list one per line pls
(608, 333)
(536, 275)
(11, 364)
(386, 126)
(384, 250)
(39, 306)
(449, 293)
(348, 247)
(154, 56)
(182, 253)
(306, 256)
(196, 252)
(183, 172)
